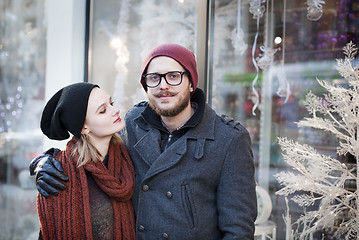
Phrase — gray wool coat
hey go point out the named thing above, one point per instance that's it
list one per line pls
(201, 187)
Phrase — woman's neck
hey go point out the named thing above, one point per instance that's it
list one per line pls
(102, 146)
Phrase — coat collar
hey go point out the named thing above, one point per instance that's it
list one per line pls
(149, 149)
(200, 125)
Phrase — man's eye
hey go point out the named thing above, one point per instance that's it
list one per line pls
(174, 75)
(154, 77)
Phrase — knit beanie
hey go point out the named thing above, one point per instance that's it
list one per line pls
(66, 111)
(181, 54)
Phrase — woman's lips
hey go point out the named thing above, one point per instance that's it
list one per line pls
(117, 120)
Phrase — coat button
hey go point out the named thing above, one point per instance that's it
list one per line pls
(141, 228)
(169, 195)
(164, 235)
(145, 188)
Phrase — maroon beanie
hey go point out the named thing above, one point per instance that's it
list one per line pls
(181, 54)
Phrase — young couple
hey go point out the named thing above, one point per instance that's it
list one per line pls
(181, 172)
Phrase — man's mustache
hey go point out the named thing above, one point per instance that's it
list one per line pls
(165, 93)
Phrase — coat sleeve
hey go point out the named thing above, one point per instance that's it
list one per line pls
(236, 195)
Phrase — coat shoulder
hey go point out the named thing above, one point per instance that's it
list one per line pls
(141, 104)
(136, 109)
(232, 124)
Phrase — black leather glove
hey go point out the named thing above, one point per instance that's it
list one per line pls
(48, 173)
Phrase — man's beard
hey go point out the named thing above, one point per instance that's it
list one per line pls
(174, 111)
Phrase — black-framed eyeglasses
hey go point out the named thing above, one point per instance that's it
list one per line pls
(173, 78)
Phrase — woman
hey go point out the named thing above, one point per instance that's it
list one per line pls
(97, 203)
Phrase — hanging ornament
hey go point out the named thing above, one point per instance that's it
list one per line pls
(266, 58)
(283, 89)
(315, 9)
(237, 40)
(257, 10)
(237, 34)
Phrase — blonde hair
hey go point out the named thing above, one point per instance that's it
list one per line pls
(88, 152)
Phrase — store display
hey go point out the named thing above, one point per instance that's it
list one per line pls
(321, 180)
(238, 32)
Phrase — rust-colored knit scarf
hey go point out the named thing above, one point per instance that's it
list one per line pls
(67, 216)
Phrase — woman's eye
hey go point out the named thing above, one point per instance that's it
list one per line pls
(111, 103)
(103, 111)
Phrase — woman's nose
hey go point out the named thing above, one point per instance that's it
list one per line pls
(115, 111)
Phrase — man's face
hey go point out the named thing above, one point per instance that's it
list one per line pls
(165, 99)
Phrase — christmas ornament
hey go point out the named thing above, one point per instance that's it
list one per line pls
(283, 89)
(237, 34)
(315, 9)
(265, 59)
(257, 10)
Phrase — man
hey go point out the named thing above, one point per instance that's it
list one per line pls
(194, 170)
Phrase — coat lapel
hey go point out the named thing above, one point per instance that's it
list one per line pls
(172, 155)
(148, 147)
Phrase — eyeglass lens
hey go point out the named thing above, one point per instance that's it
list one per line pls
(172, 78)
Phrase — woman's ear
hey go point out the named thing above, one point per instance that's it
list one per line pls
(85, 130)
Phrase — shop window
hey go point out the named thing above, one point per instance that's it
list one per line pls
(260, 67)
(263, 67)
(22, 78)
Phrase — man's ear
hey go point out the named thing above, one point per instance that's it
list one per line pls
(191, 86)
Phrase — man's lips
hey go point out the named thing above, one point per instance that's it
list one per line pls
(165, 94)
(117, 120)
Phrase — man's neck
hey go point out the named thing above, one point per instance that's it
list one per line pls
(179, 120)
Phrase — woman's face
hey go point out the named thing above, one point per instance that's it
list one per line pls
(102, 118)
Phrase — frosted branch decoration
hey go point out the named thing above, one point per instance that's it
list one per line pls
(319, 181)
(315, 9)
(288, 222)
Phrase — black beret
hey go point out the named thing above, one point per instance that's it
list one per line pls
(66, 111)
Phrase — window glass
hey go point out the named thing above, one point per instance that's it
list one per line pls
(22, 82)
(122, 32)
(273, 60)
